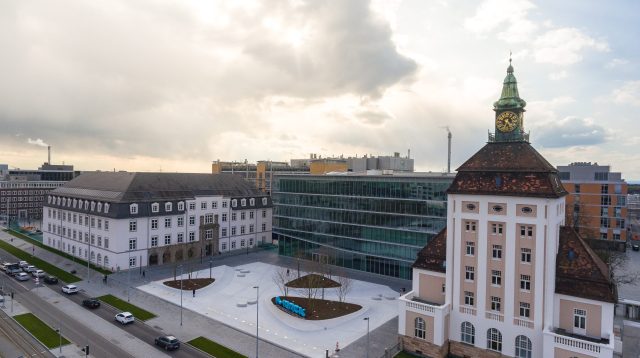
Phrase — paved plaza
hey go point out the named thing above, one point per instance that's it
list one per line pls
(231, 299)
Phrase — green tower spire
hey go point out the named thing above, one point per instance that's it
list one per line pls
(509, 111)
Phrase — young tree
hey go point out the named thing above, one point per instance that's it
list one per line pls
(346, 283)
(281, 278)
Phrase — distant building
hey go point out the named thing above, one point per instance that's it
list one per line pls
(367, 221)
(596, 205)
(123, 220)
(395, 163)
(22, 192)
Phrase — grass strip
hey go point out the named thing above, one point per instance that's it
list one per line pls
(214, 348)
(45, 334)
(57, 252)
(405, 355)
(41, 264)
(136, 311)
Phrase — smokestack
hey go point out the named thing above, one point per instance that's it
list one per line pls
(49, 155)
(449, 153)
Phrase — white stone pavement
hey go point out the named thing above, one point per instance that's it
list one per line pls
(310, 338)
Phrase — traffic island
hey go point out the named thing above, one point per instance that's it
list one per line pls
(121, 305)
(189, 284)
(214, 349)
(41, 331)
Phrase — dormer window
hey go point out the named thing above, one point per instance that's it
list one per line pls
(470, 207)
(181, 206)
(59, 200)
(252, 202)
(64, 201)
(93, 206)
(106, 207)
(133, 208)
(99, 207)
(86, 205)
(243, 202)
(168, 206)
(75, 203)
(155, 207)
(497, 208)
(234, 203)
(526, 210)
(49, 199)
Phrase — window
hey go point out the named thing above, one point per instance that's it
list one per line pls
(494, 340)
(467, 333)
(469, 273)
(496, 277)
(167, 239)
(234, 203)
(154, 224)
(251, 228)
(167, 222)
(497, 208)
(470, 226)
(264, 226)
(604, 189)
(242, 230)
(106, 243)
(242, 243)
(208, 234)
(243, 202)
(93, 222)
(203, 205)
(181, 206)
(192, 206)
(525, 255)
(604, 222)
(106, 224)
(579, 319)
(224, 217)
(208, 219)
(525, 282)
(180, 237)
(133, 244)
(605, 200)
(223, 232)
(233, 231)
(469, 298)
(252, 202)
(234, 216)
(526, 231)
(250, 214)
(496, 252)
(214, 205)
(180, 221)
(495, 303)
(192, 236)
(224, 246)
(168, 206)
(496, 229)
(133, 226)
(264, 213)
(523, 347)
(132, 261)
(192, 220)
(99, 240)
(471, 248)
(419, 331)
(225, 204)
(525, 310)
(154, 241)
(155, 207)
(243, 215)
(526, 210)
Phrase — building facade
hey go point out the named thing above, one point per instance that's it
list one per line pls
(122, 220)
(506, 278)
(364, 221)
(22, 192)
(596, 205)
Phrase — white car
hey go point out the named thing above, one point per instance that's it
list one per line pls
(69, 289)
(38, 273)
(22, 276)
(124, 317)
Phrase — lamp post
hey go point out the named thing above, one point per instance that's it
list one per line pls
(129, 277)
(59, 331)
(367, 319)
(210, 264)
(180, 295)
(257, 321)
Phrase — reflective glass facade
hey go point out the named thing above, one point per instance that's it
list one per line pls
(373, 223)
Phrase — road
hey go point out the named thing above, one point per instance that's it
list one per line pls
(14, 342)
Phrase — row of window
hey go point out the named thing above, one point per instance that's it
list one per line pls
(496, 252)
(77, 218)
(21, 198)
(133, 225)
(497, 208)
(77, 235)
(526, 231)
(72, 250)
(78, 203)
(496, 278)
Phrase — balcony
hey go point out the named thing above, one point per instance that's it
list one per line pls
(560, 338)
(494, 316)
(415, 304)
(523, 323)
(468, 310)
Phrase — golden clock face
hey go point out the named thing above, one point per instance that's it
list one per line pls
(507, 121)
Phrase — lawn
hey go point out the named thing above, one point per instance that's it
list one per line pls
(45, 334)
(136, 311)
(41, 264)
(57, 252)
(214, 348)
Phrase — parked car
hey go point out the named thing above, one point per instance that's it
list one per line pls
(91, 303)
(22, 276)
(13, 270)
(124, 317)
(168, 342)
(37, 273)
(69, 289)
(23, 264)
(4, 265)
(52, 280)
(29, 269)
(635, 247)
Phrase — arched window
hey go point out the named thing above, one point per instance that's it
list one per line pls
(106, 261)
(99, 259)
(523, 347)
(467, 333)
(93, 256)
(420, 328)
(494, 340)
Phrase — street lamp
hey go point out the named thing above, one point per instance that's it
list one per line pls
(59, 331)
(367, 319)
(129, 277)
(257, 321)
(210, 264)
(180, 295)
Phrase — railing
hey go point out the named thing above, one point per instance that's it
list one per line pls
(495, 316)
(420, 306)
(576, 343)
(523, 322)
(468, 310)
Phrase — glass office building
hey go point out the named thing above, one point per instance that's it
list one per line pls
(373, 223)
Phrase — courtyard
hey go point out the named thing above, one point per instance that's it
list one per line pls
(231, 299)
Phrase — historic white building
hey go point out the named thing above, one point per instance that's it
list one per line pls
(505, 277)
(121, 220)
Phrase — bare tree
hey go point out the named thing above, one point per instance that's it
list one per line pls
(617, 263)
(281, 278)
(577, 216)
(346, 283)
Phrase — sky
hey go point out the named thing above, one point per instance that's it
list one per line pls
(174, 85)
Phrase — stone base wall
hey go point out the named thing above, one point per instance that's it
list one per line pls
(468, 351)
(423, 348)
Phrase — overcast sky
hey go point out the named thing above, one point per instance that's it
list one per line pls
(174, 85)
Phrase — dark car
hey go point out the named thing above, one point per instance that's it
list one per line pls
(168, 342)
(635, 247)
(52, 280)
(91, 303)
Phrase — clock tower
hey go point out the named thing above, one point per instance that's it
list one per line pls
(509, 112)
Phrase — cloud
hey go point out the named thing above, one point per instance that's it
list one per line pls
(615, 63)
(628, 93)
(568, 132)
(555, 76)
(564, 46)
(39, 142)
(508, 15)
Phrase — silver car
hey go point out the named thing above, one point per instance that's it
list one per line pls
(22, 276)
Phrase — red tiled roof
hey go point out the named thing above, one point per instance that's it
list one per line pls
(508, 168)
(434, 255)
(581, 273)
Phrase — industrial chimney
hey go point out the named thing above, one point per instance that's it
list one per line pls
(49, 154)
